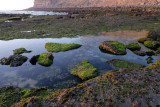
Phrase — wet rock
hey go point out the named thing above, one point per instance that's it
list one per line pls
(21, 51)
(58, 47)
(154, 34)
(150, 52)
(119, 63)
(33, 60)
(84, 70)
(113, 47)
(149, 60)
(152, 44)
(140, 53)
(14, 60)
(134, 46)
(45, 59)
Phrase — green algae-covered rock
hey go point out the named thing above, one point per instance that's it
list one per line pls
(150, 52)
(149, 60)
(57, 47)
(45, 59)
(151, 44)
(119, 63)
(84, 70)
(113, 47)
(133, 46)
(21, 51)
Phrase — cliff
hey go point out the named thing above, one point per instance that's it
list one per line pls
(93, 3)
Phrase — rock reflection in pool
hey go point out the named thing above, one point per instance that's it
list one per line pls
(57, 75)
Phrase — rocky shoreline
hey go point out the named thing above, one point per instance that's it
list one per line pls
(127, 87)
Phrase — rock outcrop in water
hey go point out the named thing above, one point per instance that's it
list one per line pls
(93, 3)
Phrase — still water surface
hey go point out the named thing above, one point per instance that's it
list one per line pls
(58, 75)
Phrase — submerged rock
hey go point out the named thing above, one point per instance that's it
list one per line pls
(150, 52)
(21, 51)
(14, 60)
(134, 46)
(119, 63)
(45, 59)
(113, 47)
(84, 70)
(140, 53)
(149, 60)
(57, 47)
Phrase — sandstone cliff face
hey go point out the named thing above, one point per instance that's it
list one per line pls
(93, 3)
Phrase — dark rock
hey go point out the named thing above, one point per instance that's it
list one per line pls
(140, 53)
(150, 52)
(149, 60)
(33, 60)
(154, 34)
(13, 60)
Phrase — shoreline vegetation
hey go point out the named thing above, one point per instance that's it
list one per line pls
(122, 87)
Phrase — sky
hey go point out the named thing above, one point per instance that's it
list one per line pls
(15, 4)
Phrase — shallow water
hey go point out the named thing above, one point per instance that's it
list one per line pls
(35, 13)
(57, 75)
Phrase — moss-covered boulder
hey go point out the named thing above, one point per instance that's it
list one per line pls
(45, 59)
(14, 60)
(119, 63)
(149, 60)
(57, 47)
(142, 40)
(21, 51)
(134, 46)
(113, 47)
(150, 52)
(140, 53)
(152, 44)
(84, 70)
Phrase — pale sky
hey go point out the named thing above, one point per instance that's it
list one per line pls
(15, 4)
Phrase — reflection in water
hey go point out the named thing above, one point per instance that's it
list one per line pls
(58, 75)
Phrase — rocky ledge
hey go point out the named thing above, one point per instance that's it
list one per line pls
(123, 88)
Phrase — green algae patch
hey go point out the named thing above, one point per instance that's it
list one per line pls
(11, 95)
(84, 70)
(149, 60)
(113, 47)
(134, 46)
(151, 44)
(21, 51)
(142, 40)
(150, 52)
(119, 63)
(58, 47)
(45, 59)
(154, 65)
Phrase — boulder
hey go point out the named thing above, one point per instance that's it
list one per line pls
(14, 60)
(134, 46)
(84, 70)
(113, 47)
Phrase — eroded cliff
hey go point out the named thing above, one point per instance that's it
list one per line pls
(93, 3)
